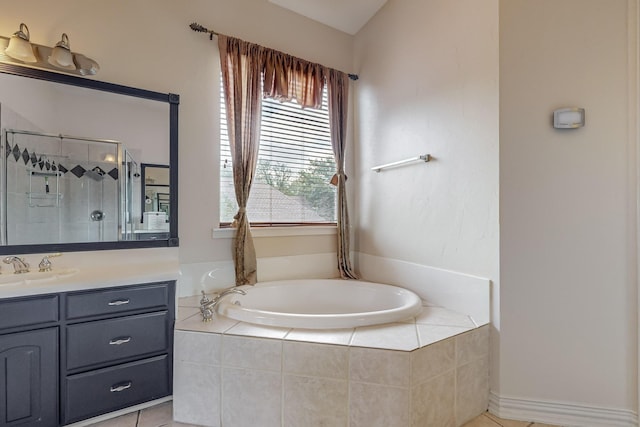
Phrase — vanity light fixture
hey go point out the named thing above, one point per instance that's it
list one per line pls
(61, 55)
(20, 47)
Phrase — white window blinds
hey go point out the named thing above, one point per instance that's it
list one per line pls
(295, 164)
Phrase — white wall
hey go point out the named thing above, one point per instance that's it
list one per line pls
(567, 203)
(429, 84)
(148, 44)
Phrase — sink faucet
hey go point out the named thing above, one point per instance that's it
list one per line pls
(19, 264)
(207, 306)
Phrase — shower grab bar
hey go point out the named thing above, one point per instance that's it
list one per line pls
(424, 158)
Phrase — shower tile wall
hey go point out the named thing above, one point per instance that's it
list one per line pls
(43, 220)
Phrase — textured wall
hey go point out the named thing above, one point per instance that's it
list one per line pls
(567, 203)
(429, 84)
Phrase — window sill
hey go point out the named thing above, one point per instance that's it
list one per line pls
(321, 230)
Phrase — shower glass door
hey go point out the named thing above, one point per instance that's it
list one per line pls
(60, 188)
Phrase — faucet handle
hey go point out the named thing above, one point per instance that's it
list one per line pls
(45, 264)
(204, 299)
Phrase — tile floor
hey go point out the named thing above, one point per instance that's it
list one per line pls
(489, 420)
(161, 416)
(155, 416)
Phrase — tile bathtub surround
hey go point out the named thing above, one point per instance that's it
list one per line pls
(292, 381)
(433, 324)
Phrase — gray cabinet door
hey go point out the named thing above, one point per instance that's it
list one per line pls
(29, 378)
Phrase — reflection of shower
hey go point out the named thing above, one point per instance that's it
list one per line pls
(95, 174)
(136, 173)
(97, 215)
(131, 174)
(42, 167)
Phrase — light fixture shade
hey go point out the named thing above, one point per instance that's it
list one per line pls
(61, 56)
(86, 66)
(19, 47)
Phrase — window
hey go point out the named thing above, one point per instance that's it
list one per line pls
(295, 164)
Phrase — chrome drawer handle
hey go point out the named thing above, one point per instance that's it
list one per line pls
(119, 341)
(121, 387)
(119, 302)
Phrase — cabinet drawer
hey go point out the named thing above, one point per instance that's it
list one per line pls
(110, 340)
(119, 300)
(29, 311)
(105, 390)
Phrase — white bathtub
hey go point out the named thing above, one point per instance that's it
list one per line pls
(321, 304)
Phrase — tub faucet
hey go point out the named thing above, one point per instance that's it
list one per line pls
(207, 306)
(19, 264)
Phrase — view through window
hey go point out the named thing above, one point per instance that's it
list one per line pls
(295, 165)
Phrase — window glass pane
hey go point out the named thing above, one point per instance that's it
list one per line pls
(295, 164)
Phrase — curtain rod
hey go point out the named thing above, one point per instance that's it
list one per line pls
(200, 29)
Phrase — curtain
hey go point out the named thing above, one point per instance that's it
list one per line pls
(242, 64)
(287, 77)
(245, 68)
(338, 88)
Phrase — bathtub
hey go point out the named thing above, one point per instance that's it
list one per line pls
(321, 304)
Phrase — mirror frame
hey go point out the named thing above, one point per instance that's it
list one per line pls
(172, 99)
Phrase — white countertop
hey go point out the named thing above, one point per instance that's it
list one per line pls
(100, 269)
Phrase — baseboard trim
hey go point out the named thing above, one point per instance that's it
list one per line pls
(560, 413)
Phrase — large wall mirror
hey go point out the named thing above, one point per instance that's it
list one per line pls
(76, 157)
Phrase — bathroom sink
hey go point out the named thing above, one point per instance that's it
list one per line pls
(7, 279)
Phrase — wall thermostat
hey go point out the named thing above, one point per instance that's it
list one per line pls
(568, 118)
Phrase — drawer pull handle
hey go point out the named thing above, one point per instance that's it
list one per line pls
(120, 387)
(120, 341)
(119, 302)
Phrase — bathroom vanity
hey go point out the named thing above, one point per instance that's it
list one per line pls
(95, 334)
(70, 356)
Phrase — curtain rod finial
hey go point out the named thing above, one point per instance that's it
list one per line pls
(201, 29)
(197, 27)
(354, 77)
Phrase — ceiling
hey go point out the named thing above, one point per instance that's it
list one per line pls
(344, 15)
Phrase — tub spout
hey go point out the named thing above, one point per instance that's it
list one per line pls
(208, 307)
